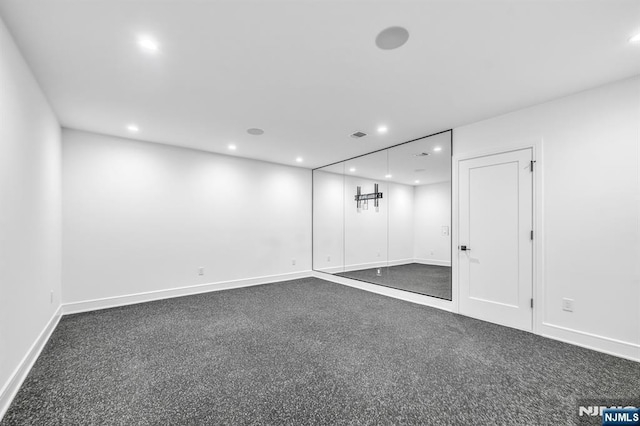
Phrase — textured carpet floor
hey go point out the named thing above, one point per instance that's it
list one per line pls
(306, 352)
(431, 280)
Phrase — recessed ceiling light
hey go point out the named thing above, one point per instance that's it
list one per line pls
(635, 39)
(382, 129)
(133, 128)
(388, 176)
(232, 147)
(148, 44)
(416, 181)
(255, 131)
(392, 38)
(352, 169)
(437, 148)
(299, 160)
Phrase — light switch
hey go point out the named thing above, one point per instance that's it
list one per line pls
(445, 231)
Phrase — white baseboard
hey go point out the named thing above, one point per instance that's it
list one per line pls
(11, 388)
(400, 262)
(591, 341)
(434, 302)
(131, 299)
(363, 266)
(434, 262)
(332, 270)
(380, 264)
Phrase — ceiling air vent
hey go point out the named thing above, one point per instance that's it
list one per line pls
(358, 135)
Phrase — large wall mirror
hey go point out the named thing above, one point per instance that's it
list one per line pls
(385, 217)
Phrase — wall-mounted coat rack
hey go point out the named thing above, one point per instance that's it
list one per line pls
(362, 200)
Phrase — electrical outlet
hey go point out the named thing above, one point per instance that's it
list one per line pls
(293, 262)
(201, 270)
(567, 305)
(378, 254)
(432, 252)
(328, 258)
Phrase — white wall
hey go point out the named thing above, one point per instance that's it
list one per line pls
(365, 233)
(432, 212)
(401, 201)
(407, 227)
(141, 217)
(367, 239)
(29, 215)
(590, 208)
(328, 221)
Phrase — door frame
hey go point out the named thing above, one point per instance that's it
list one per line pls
(536, 146)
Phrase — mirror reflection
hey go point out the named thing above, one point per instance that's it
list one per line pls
(385, 217)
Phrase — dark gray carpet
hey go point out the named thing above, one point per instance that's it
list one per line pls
(306, 352)
(430, 280)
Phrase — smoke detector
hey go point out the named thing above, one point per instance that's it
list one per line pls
(358, 135)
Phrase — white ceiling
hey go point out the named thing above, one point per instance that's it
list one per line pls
(309, 72)
(402, 164)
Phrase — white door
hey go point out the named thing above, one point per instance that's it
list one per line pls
(495, 251)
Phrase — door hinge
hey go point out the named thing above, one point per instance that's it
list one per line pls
(531, 165)
(532, 302)
(531, 235)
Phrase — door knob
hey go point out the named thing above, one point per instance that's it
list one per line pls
(464, 248)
